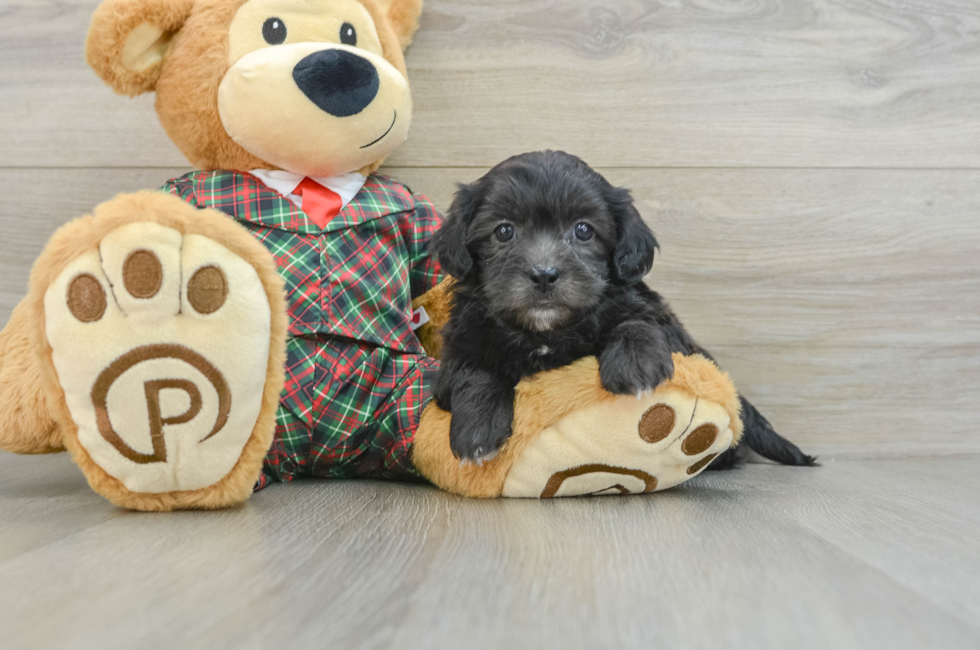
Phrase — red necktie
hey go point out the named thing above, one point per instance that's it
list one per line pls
(319, 203)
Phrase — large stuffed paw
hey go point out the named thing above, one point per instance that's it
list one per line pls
(164, 333)
(622, 446)
(573, 438)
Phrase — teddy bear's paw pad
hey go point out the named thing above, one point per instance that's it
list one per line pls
(622, 446)
(160, 342)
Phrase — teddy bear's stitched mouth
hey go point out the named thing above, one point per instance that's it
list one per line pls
(393, 120)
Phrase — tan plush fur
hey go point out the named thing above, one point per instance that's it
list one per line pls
(85, 234)
(702, 378)
(437, 305)
(196, 61)
(187, 100)
(112, 23)
(542, 401)
(403, 16)
(27, 426)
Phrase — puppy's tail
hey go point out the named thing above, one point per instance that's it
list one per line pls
(763, 439)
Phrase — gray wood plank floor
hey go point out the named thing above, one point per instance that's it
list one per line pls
(855, 554)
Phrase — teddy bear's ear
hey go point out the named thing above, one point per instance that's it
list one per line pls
(404, 18)
(128, 39)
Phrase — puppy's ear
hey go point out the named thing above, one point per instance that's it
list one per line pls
(633, 256)
(128, 39)
(449, 244)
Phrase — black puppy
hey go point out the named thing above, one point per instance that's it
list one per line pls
(549, 260)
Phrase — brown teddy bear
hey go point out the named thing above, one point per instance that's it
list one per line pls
(268, 317)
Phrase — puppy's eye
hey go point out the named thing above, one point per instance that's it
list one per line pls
(348, 35)
(274, 31)
(504, 232)
(584, 232)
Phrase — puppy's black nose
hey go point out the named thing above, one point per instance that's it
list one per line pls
(545, 277)
(337, 81)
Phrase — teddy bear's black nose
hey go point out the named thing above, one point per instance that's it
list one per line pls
(337, 81)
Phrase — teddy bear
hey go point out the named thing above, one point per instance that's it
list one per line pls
(275, 314)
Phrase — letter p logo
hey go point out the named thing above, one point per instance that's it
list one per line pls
(152, 389)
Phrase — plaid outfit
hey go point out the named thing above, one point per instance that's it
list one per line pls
(357, 377)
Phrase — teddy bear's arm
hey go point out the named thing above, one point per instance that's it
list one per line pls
(428, 282)
(418, 228)
(182, 188)
(435, 301)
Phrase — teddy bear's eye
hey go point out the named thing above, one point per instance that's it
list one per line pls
(274, 31)
(348, 35)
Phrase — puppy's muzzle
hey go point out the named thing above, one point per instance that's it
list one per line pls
(545, 278)
(340, 83)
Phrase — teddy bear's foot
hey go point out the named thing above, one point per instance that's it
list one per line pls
(623, 446)
(162, 345)
(572, 438)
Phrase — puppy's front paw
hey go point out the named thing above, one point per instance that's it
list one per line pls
(633, 365)
(476, 436)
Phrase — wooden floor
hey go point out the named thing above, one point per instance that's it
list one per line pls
(856, 554)
(812, 171)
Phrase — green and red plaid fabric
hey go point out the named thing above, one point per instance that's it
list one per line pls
(347, 410)
(356, 375)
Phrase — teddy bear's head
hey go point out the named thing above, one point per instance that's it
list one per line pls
(315, 87)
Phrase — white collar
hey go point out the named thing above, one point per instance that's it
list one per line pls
(345, 185)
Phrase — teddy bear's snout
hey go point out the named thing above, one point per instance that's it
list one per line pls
(339, 82)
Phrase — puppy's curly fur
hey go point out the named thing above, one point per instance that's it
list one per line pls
(549, 260)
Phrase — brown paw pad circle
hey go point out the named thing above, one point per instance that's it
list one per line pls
(207, 289)
(142, 274)
(701, 464)
(700, 440)
(657, 423)
(86, 298)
